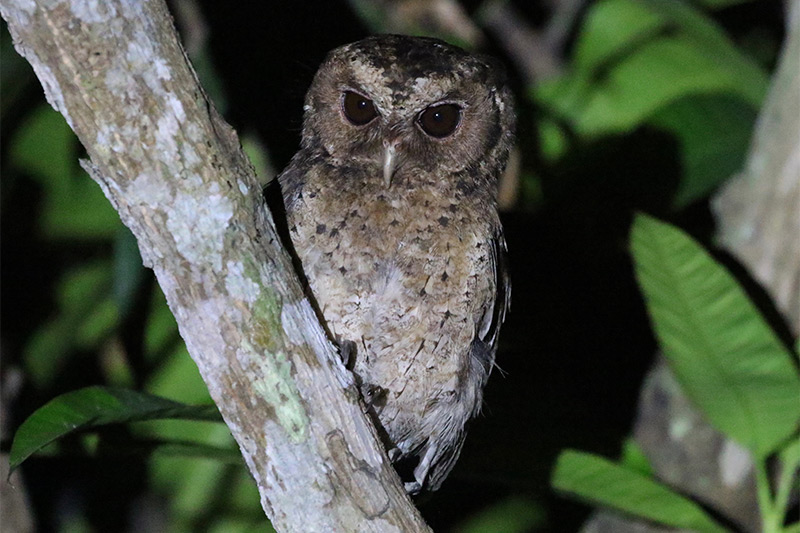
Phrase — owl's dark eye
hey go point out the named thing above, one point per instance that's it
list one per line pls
(440, 120)
(358, 109)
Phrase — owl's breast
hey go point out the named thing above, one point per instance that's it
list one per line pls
(398, 271)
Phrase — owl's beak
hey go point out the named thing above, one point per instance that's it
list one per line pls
(389, 162)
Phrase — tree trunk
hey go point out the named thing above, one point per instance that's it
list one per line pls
(759, 210)
(176, 174)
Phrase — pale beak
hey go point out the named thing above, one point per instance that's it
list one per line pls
(389, 162)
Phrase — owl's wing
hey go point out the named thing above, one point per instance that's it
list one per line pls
(484, 346)
(292, 179)
(436, 463)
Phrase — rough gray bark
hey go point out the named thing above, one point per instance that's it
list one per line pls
(176, 174)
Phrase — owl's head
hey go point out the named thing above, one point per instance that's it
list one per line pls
(409, 105)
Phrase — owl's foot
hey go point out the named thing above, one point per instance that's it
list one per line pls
(395, 456)
(413, 487)
(421, 471)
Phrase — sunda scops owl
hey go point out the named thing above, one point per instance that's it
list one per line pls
(391, 207)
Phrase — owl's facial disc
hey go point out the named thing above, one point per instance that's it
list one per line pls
(405, 111)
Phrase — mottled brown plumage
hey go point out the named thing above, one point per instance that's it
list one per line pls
(391, 205)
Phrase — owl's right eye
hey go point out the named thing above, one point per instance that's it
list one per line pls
(358, 109)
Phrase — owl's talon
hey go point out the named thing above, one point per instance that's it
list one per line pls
(425, 464)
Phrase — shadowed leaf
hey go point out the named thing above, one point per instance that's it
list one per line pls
(92, 407)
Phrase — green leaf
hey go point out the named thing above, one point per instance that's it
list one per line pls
(633, 458)
(92, 407)
(98, 323)
(611, 29)
(46, 351)
(599, 481)
(633, 57)
(44, 147)
(553, 141)
(74, 206)
(724, 355)
(713, 132)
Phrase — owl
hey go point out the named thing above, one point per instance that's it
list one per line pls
(391, 209)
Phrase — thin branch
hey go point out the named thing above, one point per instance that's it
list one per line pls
(445, 19)
(527, 47)
(176, 174)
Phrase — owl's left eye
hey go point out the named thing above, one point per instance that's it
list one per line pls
(440, 120)
(358, 109)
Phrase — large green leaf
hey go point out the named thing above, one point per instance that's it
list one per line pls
(92, 407)
(725, 356)
(599, 481)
